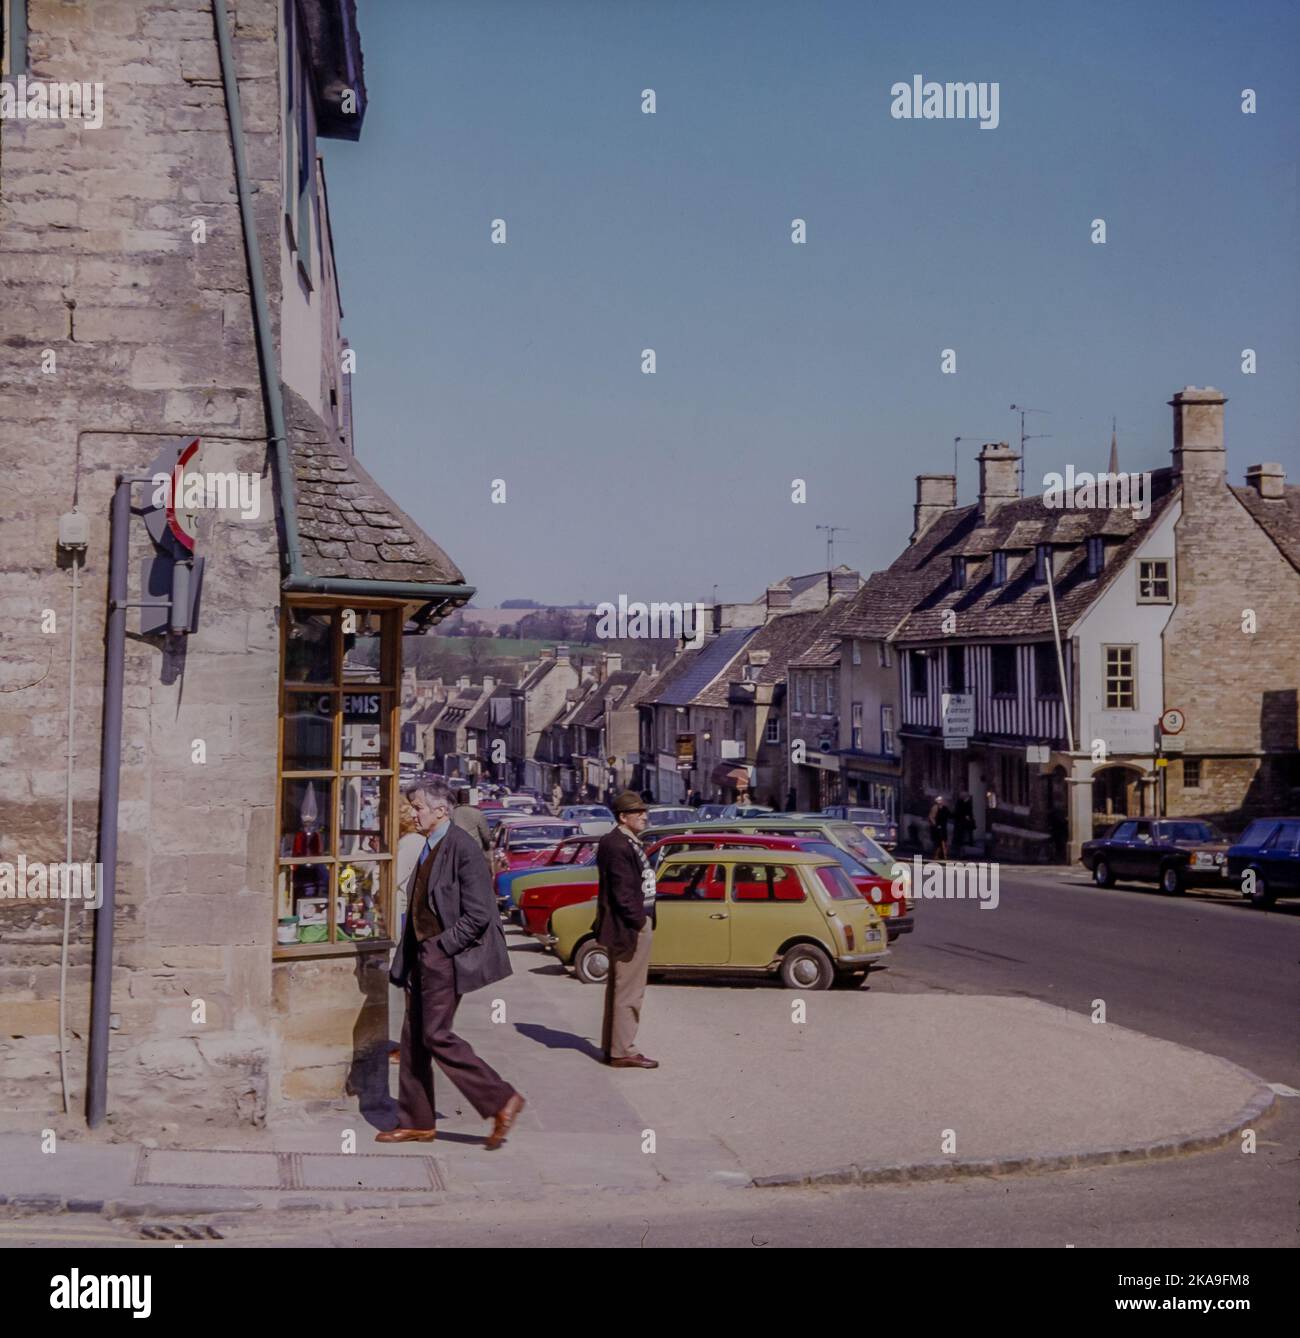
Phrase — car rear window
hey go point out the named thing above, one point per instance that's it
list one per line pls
(837, 884)
(1258, 832)
(766, 882)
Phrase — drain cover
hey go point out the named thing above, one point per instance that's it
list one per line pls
(181, 1168)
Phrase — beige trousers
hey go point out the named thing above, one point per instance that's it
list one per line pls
(624, 991)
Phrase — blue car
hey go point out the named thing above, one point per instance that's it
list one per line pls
(1270, 848)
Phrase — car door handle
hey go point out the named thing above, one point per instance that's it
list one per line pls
(717, 915)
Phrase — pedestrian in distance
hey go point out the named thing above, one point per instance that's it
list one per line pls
(470, 819)
(939, 816)
(963, 822)
(625, 929)
(452, 944)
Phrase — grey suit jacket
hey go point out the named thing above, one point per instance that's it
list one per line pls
(460, 892)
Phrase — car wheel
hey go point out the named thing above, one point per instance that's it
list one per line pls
(591, 963)
(1103, 875)
(1263, 896)
(1171, 880)
(806, 967)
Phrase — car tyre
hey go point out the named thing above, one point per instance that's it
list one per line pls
(1102, 874)
(591, 963)
(1263, 896)
(1171, 880)
(806, 967)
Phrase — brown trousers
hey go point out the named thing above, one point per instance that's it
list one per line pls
(431, 1002)
(624, 991)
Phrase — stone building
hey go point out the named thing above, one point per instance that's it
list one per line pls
(255, 826)
(1192, 607)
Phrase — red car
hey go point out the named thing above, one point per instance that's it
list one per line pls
(520, 839)
(536, 904)
(573, 851)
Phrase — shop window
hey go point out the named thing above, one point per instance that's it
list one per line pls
(338, 776)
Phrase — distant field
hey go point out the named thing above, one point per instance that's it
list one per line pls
(502, 647)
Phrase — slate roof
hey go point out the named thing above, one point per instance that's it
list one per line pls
(347, 525)
(480, 718)
(781, 637)
(916, 589)
(535, 675)
(693, 670)
(1278, 517)
(590, 710)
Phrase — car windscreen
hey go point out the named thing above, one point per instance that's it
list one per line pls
(847, 862)
(1189, 831)
(524, 833)
(1258, 832)
(858, 842)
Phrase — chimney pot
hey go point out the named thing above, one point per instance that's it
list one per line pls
(935, 494)
(999, 477)
(1268, 480)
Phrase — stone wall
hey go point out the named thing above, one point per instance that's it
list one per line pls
(151, 339)
(1238, 688)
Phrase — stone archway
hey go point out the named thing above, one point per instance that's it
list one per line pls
(1117, 792)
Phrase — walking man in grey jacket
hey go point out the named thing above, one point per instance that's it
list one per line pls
(453, 943)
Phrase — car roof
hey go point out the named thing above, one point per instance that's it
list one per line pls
(761, 840)
(744, 855)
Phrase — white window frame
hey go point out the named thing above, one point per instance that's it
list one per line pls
(882, 654)
(1096, 548)
(856, 727)
(999, 568)
(1167, 578)
(773, 732)
(887, 745)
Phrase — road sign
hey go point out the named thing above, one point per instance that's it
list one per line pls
(1172, 721)
(1171, 743)
(1037, 752)
(958, 716)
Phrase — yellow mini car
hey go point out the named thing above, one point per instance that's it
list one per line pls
(744, 912)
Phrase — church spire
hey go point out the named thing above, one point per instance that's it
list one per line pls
(1114, 450)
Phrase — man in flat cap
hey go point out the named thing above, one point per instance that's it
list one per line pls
(624, 928)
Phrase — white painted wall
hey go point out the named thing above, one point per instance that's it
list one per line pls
(1117, 619)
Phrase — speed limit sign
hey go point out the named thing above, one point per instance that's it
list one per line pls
(1172, 721)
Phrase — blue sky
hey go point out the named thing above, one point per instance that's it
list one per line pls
(775, 361)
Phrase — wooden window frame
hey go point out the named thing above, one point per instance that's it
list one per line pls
(1167, 579)
(389, 683)
(1132, 676)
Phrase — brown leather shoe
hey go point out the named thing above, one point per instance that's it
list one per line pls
(504, 1121)
(406, 1136)
(634, 1062)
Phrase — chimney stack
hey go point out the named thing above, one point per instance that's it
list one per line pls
(778, 598)
(611, 662)
(561, 654)
(935, 494)
(1269, 480)
(488, 684)
(1199, 456)
(999, 478)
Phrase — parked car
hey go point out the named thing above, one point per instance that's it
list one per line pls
(410, 768)
(1271, 848)
(595, 819)
(523, 803)
(1176, 853)
(659, 815)
(842, 834)
(536, 899)
(874, 821)
(517, 836)
(565, 859)
(741, 912)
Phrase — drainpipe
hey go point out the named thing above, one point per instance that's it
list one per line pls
(101, 994)
(261, 313)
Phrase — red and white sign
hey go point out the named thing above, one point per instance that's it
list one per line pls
(1172, 721)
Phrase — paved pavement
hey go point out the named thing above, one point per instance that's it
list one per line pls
(866, 1085)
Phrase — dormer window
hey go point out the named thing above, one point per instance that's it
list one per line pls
(1042, 562)
(1096, 555)
(1000, 567)
(959, 573)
